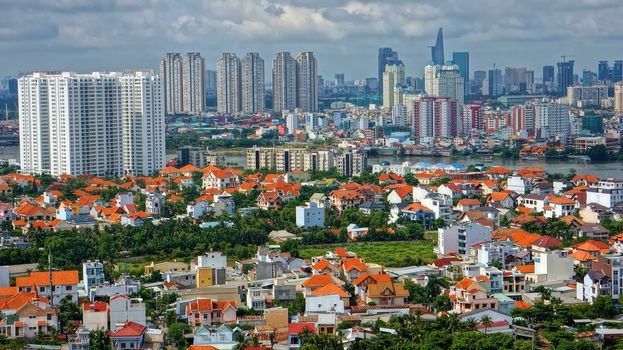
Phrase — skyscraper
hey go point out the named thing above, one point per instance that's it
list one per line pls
(100, 123)
(461, 59)
(548, 78)
(618, 98)
(228, 84)
(184, 85)
(444, 81)
(602, 71)
(496, 85)
(252, 83)
(565, 77)
(284, 82)
(434, 117)
(437, 56)
(393, 77)
(306, 88)
(552, 119)
(617, 71)
(339, 79)
(386, 55)
(210, 83)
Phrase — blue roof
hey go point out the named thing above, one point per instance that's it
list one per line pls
(440, 166)
(458, 165)
(423, 164)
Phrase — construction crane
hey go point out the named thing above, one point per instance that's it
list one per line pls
(564, 57)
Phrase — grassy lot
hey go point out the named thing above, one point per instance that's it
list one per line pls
(388, 254)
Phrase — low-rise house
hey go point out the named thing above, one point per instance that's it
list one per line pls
(594, 213)
(457, 238)
(154, 204)
(323, 299)
(26, 315)
(417, 212)
(345, 199)
(352, 268)
(594, 231)
(368, 207)
(439, 204)
(123, 309)
(221, 336)
(559, 207)
(467, 204)
(64, 285)
(294, 331)
(220, 179)
(95, 315)
(386, 293)
(269, 200)
(354, 232)
(502, 198)
(317, 281)
(310, 215)
(206, 312)
(130, 335)
(469, 295)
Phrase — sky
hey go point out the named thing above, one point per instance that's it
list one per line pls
(109, 35)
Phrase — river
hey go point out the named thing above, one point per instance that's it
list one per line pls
(601, 169)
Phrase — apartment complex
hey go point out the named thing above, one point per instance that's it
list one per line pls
(184, 82)
(434, 117)
(104, 124)
(287, 159)
(444, 81)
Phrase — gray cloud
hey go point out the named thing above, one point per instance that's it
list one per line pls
(345, 34)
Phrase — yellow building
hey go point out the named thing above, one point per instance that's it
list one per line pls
(206, 277)
(167, 266)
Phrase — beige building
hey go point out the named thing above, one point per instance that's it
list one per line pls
(167, 266)
(618, 98)
(393, 76)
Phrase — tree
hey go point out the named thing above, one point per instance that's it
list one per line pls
(69, 311)
(598, 153)
(175, 334)
(442, 303)
(603, 306)
(486, 322)
(99, 340)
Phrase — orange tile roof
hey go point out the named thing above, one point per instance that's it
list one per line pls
(497, 196)
(17, 300)
(562, 201)
(522, 305)
(416, 207)
(341, 252)
(582, 256)
(525, 268)
(465, 283)
(43, 278)
(353, 263)
(318, 281)
(592, 246)
(482, 278)
(589, 178)
(189, 168)
(376, 278)
(524, 210)
(468, 202)
(331, 289)
(321, 265)
(525, 239)
(498, 170)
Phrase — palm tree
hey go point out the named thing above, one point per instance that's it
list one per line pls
(99, 340)
(486, 321)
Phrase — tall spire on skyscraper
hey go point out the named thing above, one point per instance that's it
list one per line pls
(437, 51)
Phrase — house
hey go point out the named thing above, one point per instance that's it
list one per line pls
(64, 285)
(309, 215)
(457, 238)
(535, 202)
(354, 232)
(517, 184)
(401, 194)
(294, 330)
(502, 198)
(469, 295)
(417, 212)
(124, 309)
(26, 314)
(259, 298)
(220, 179)
(154, 204)
(593, 213)
(269, 200)
(500, 321)
(559, 207)
(607, 192)
(595, 231)
(604, 278)
(325, 267)
(345, 199)
(386, 293)
(439, 204)
(131, 335)
(205, 311)
(369, 207)
(219, 336)
(317, 281)
(329, 298)
(467, 204)
(352, 268)
(92, 274)
(95, 315)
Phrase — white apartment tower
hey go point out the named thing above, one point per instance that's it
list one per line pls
(393, 77)
(444, 81)
(552, 119)
(184, 83)
(99, 123)
(228, 84)
(306, 88)
(252, 83)
(284, 82)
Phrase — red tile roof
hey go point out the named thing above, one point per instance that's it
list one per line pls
(43, 278)
(130, 329)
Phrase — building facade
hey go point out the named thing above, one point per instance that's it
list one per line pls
(252, 83)
(228, 84)
(184, 83)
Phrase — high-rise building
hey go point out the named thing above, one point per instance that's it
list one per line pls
(351, 163)
(479, 77)
(184, 85)
(461, 59)
(393, 77)
(252, 83)
(549, 79)
(582, 96)
(228, 84)
(603, 71)
(12, 85)
(435, 117)
(518, 79)
(618, 98)
(565, 77)
(495, 82)
(103, 124)
(284, 82)
(588, 77)
(339, 79)
(399, 116)
(211, 83)
(444, 81)
(552, 119)
(386, 55)
(306, 88)
(472, 118)
(617, 71)
(436, 52)
(292, 123)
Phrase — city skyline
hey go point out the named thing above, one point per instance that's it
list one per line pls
(344, 36)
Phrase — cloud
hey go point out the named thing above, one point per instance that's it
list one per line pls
(344, 34)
